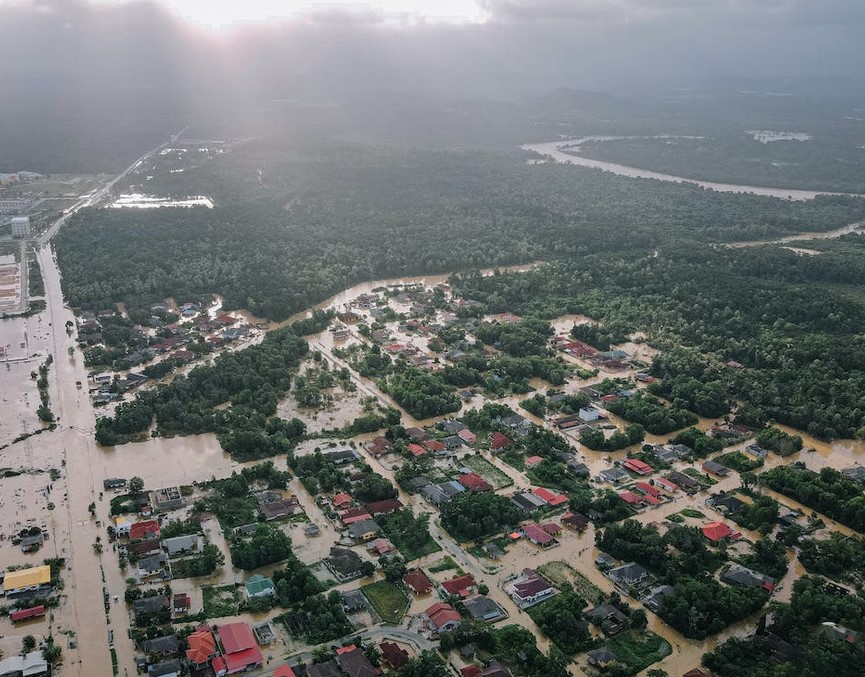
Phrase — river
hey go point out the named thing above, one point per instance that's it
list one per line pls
(567, 152)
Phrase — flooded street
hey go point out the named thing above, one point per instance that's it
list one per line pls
(567, 152)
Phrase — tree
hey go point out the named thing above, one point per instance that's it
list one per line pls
(367, 569)
(28, 643)
(92, 508)
(136, 486)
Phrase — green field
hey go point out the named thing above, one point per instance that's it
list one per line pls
(561, 572)
(387, 599)
(220, 601)
(488, 471)
(639, 650)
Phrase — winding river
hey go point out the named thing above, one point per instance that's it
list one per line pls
(567, 151)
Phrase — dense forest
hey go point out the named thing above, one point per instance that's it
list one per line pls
(791, 323)
(828, 492)
(326, 216)
(820, 163)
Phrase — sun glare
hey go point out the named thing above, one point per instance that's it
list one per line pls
(220, 14)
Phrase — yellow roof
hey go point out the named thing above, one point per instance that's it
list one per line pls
(26, 578)
(121, 520)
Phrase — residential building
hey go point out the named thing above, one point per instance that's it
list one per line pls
(628, 574)
(385, 507)
(575, 521)
(354, 662)
(181, 545)
(530, 588)
(539, 536)
(364, 530)
(443, 617)
(259, 586)
(461, 586)
(31, 664)
(418, 582)
(740, 575)
(393, 655)
(637, 466)
(143, 530)
(239, 649)
(717, 532)
(21, 227)
(528, 502)
(474, 482)
(167, 646)
(344, 563)
(166, 499)
(202, 647)
(715, 468)
(614, 475)
(551, 498)
(482, 608)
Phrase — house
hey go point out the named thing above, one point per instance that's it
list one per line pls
(515, 422)
(681, 480)
(113, 483)
(717, 532)
(667, 485)
(340, 456)
(364, 530)
(493, 551)
(601, 658)
(630, 497)
(180, 604)
(587, 414)
(756, 451)
(637, 466)
(647, 489)
(166, 499)
(147, 607)
(122, 525)
(326, 669)
(167, 646)
(239, 649)
(474, 482)
(538, 536)
(613, 475)
(575, 521)
(259, 586)
(353, 515)
(715, 468)
(418, 582)
(532, 461)
(608, 618)
(25, 581)
(467, 436)
(551, 498)
(499, 441)
(32, 542)
(628, 574)
(393, 655)
(379, 446)
(180, 545)
(605, 561)
(451, 488)
(698, 672)
(740, 575)
(417, 434)
(530, 588)
(341, 501)
(345, 564)
(443, 617)
(170, 668)
(461, 586)
(31, 664)
(385, 507)
(725, 503)
(450, 426)
(416, 450)
(839, 633)
(142, 530)
(435, 447)
(354, 662)
(655, 596)
(264, 633)
(578, 469)
(482, 608)
(154, 566)
(856, 473)
(273, 506)
(528, 501)
(284, 671)
(452, 442)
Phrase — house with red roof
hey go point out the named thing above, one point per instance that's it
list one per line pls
(668, 485)
(651, 500)
(435, 447)
(26, 614)
(474, 482)
(532, 461)
(630, 497)
(341, 501)
(284, 671)
(443, 617)
(143, 530)
(470, 671)
(538, 536)
(499, 441)
(467, 436)
(551, 528)
(418, 582)
(717, 532)
(239, 649)
(647, 489)
(553, 499)
(225, 319)
(393, 655)
(637, 466)
(461, 586)
(416, 450)
(385, 507)
(202, 647)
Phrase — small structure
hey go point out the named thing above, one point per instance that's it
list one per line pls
(532, 461)
(655, 596)
(27, 614)
(482, 608)
(608, 618)
(601, 658)
(166, 499)
(715, 468)
(341, 501)
(112, 483)
(717, 532)
(530, 588)
(381, 546)
(180, 605)
(264, 633)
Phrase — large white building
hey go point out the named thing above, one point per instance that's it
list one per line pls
(21, 226)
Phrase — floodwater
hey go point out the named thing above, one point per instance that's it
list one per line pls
(141, 201)
(567, 152)
(766, 136)
(803, 237)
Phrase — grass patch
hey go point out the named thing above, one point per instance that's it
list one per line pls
(444, 564)
(561, 572)
(690, 512)
(221, 601)
(488, 471)
(678, 519)
(638, 650)
(387, 599)
(740, 462)
(409, 534)
(705, 480)
(514, 459)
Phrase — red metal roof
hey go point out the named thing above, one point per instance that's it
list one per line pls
(240, 660)
(201, 646)
(629, 497)
(537, 535)
(460, 585)
(341, 499)
(284, 671)
(550, 497)
(434, 445)
(236, 637)
(141, 530)
(474, 482)
(24, 614)
(441, 614)
(499, 441)
(416, 450)
(638, 466)
(647, 488)
(533, 460)
(717, 531)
